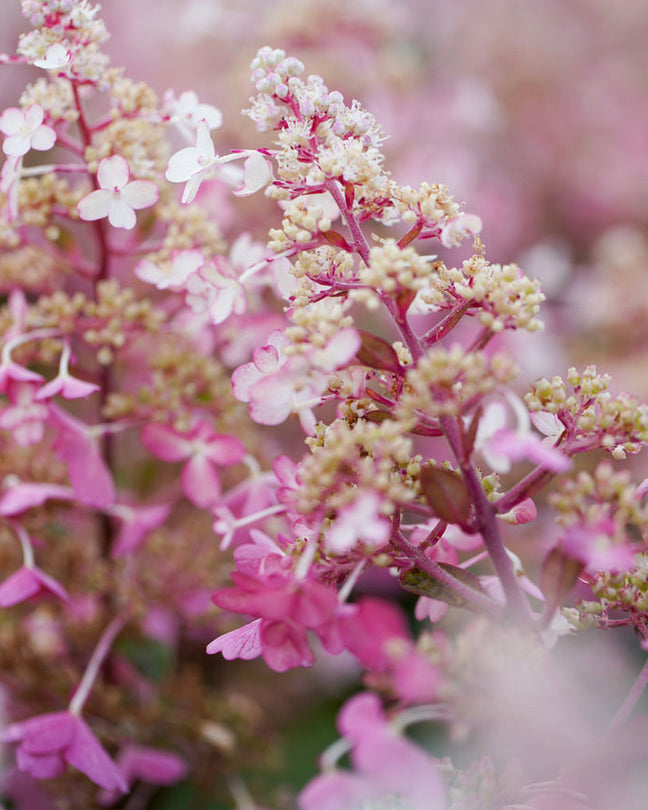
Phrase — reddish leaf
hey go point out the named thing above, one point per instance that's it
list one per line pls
(446, 493)
(558, 576)
(377, 353)
(336, 239)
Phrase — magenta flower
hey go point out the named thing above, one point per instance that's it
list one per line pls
(64, 384)
(202, 450)
(25, 131)
(27, 582)
(137, 523)
(25, 495)
(24, 417)
(266, 360)
(137, 762)
(49, 741)
(116, 198)
(389, 770)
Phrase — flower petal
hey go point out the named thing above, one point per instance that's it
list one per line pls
(140, 194)
(121, 215)
(95, 205)
(113, 172)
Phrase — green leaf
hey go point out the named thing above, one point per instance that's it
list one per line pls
(420, 582)
(152, 658)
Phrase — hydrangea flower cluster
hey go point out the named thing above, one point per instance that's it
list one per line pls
(336, 404)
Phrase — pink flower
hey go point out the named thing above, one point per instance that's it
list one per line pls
(137, 523)
(76, 445)
(64, 384)
(137, 762)
(171, 274)
(202, 449)
(23, 496)
(27, 582)
(266, 360)
(216, 287)
(25, 131)
(49, 741)
(359, 520)
(389, 770)
(116, 198)
(24, 417)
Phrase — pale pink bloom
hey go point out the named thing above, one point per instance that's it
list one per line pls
(523, 512)
(27, 582)
(25, 418)
(202, 449)
(359, 520)
(266, 360)
(458, 228)
(244, 643)
(431, 609)
(217, 288)
(25, 495)
(189, 111)
(257, 173)
(25, 131)
(173, 273)
(64, 384)
(500, 446)
(116, 198)
(76, 445)
(548, 424)
(56, 57)
(595, 546)
(388, 769)
(144, 764)
(49, 741)
(9, 182)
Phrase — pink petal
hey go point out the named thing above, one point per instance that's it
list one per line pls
(224, 450)
(339, 790)
(87, 755)
(165, 443)
(47, 733)
(266, 359)
(200, 482)
(121, 215)
(284, 645)
(95, 205)
(40, 767)
(151, 765)
(113, 172)
(140, 194)
(271, 399)
(25, 496)
(244, 643)
(21, 585)
(243, 378)
(50, 584)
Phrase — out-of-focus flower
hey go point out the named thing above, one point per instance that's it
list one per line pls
(56, 57)
(49, 741)
(25, 131)
(117, 199)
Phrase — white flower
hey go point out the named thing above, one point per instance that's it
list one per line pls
(25, 131)
(56, 57)
(193, 164)
(173, 273)
(117, 199)
(459, 228)
(189, 111)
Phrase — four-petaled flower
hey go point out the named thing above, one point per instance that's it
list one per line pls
(116, 198)
(25, 131)
(49, 741)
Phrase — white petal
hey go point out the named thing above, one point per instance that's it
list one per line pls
(113, 172)
(16, 145)
(257, 173)
(43, 139)
(204, 143)
(212, 115)
(183, 165)
(191, 189)
(56, 56)
(34, 116)
(121, 215)
(95, 205)
(140, 194)
(11, 121)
